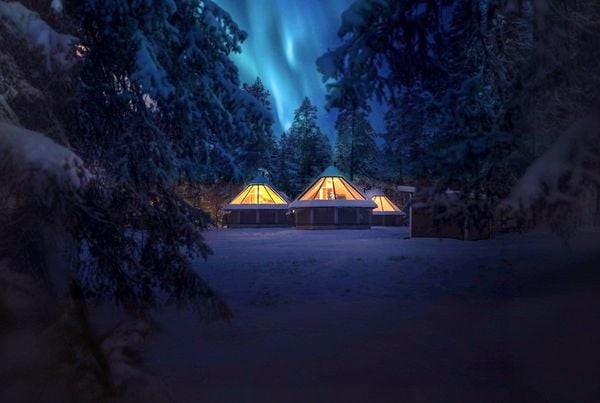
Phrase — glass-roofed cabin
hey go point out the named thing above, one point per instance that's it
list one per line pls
(259, 204)
(387, 213)
(332, 201)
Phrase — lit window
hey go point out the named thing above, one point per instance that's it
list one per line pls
(332, 188)
(258, 194)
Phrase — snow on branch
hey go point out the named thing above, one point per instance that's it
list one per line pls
(149, 73)
(55, 47)
(563, 172)
(353, 19)
(35, 153)
(57, 6)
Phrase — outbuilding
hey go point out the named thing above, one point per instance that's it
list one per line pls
(387, 213)
(449, 214)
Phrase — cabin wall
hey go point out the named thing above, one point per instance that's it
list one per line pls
(332, 217)
(257, 218)
(388, 220)
(424, 225)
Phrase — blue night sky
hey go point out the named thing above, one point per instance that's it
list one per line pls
(285, 37)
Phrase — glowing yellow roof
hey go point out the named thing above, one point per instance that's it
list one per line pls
(332, 188)
(258, 193)
(384, 204)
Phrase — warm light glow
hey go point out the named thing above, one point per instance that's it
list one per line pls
(80, 50)
(384, 204)
(258, 194)
(332, 188)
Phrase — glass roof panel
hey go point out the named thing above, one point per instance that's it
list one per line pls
(258, 194)
(332, 188)
(313, 191)
(384, 204)
(273, 196)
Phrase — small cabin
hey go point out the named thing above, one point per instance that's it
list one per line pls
(387, 213)
(332, 201)
(448, 215)
(259, 204)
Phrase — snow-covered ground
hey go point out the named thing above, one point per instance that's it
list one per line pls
(369, 316)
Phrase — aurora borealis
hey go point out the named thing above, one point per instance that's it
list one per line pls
(285, 37)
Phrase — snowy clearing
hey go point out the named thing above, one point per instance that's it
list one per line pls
(368, 315)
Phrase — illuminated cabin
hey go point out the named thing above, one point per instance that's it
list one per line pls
(332, 201)
(259, 204)
(386, 213)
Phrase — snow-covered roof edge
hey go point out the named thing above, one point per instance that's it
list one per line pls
(256, 207)
(332, 203)
(395, 212)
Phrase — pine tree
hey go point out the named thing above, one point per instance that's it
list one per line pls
(286, 168)
(355, 144)
(382, 63)
(411, 129)
(386, 44)
(259, 147)
(258, 91)
(159, 103)
(451, 84)
(311, 150)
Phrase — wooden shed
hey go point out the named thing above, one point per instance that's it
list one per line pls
(448, 215)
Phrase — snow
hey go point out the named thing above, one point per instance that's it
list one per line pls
(327, 66)
(47, 175)
(374, 192)
(149, 72)
(21, 21)
(117, 346)
(566, 166)
(353, 17)
(369, 315)
(333, 203)
(56, 6)
(33, 152)
(256, 207)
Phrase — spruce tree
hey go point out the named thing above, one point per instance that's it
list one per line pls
(449, 76)
(355, 144)
(158, 103)
(311, 150)
(285, 168)
(259, 147)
